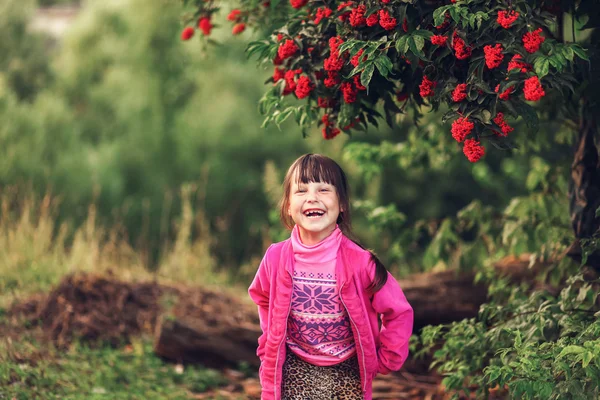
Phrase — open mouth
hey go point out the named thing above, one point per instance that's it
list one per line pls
(314, 213)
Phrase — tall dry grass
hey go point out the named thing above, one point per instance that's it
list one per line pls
(35, 253)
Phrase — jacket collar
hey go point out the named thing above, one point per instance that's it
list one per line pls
(343, 268)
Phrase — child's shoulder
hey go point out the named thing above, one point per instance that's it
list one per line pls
(355, 249)
(276, 247)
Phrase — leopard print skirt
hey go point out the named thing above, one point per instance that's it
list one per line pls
(304, 381)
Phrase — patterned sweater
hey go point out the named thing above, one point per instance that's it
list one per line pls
(319, 329)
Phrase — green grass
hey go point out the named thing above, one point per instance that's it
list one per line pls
(30, 369)
(35, 255)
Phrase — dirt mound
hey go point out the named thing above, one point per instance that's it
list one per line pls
(104, 309)
(95, 308)
(214, 309)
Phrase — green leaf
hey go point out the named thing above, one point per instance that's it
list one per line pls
(572, 349)
(357, 69)
(402, 44)
(372, 120)
(475, 67)
(472, 21)
(529, 115)
(541, 66)
(402, 12)
(493, 374)
(384, 65)
(280, 117)
(568, 53)
(423, 33)
(367, 74)
(486, 116)
(501, 143)
(353, 45)
(413, 46)
(439, 15)
(556, 63)
(257, 46)
(419, 42)
(581, 53)
(454, 14)
(518, 339)
(449, 115)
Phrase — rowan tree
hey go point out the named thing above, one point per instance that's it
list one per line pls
(486, 64)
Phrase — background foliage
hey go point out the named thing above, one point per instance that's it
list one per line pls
(160, 145)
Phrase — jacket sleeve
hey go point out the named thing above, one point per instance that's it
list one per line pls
(396, 325)
(259, 293)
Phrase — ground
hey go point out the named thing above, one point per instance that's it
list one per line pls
(94, 336)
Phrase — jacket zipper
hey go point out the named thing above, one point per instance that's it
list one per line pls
(284, 337)
(362, 351)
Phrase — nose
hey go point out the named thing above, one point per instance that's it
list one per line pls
(312, 196)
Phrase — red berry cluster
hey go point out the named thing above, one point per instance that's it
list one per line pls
(298, 3)
(204, 25)
(504, 127)
(329, 130)
(439, 40)
(507, 18)
(461, 128)
(493, 55)
(386, 21)
(533, 89)
(235, 16)
(517, 63)
(426, 88)
(459, 93)
(473, 150)
(321, 14)
(287, 49)
(533, 40)
(461, 50)
(506, 94)
(357, 16)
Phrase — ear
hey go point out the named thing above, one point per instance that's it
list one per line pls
(289, 212)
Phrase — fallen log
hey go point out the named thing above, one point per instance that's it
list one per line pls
(442, 297)
(209, 328)
(191, 340)
(201, 333)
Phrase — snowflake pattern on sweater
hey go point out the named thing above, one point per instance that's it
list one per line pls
(318, 325)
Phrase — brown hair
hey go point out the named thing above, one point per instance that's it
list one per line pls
(319, 168)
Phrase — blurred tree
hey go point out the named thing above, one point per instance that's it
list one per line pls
(155, 115)
(24, 63)
(131, 117)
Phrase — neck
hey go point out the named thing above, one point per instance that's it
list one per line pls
(310, 239)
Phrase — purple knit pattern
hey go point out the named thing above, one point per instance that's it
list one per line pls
(318, 324)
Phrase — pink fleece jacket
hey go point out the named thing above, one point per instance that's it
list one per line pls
(378, 350)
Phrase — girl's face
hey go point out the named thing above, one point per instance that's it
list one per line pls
(314, 207)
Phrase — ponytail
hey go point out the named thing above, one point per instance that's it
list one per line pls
(381, 275)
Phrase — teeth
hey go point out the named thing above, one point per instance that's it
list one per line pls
(314, 213)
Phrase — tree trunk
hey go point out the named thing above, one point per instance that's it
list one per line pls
(584, 190)
(584, 185)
